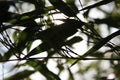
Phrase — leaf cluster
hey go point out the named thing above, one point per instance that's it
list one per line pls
(18, 32)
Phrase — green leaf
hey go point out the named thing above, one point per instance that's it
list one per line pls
(20, 75)
(15, 36)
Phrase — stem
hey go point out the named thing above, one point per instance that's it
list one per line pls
(74, 58)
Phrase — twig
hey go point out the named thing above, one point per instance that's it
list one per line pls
(74, 58)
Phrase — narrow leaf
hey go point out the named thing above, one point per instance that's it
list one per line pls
(72, 5)
(73, 40)
(63, 7)
(103, 2)
(20, 75)
(100, 44)
(71, 77)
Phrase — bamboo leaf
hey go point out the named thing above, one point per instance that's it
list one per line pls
(40, 48)
(63, 7)
(103, 2)
(56, 36)
(71, 75)
(100, 44)
(20, 75)
(111, 21)
(75, 39)
(1, 57)
(72, 5)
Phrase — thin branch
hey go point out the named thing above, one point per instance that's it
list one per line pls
(81, 4)
(74, 58)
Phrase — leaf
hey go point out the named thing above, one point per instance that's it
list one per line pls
(1, 57)
(41, 67)
(73, 40)
(4, 5)
(24, 39)
(28, 47)
(97, 54)
(97, 46)
(111, 21)
(71, 74)
(56, 35)
(40, 48)
(15, 35)
(72, 5)
(103, 2)
(100, 44)
(63, 7)
(20, 75)
(5, 15)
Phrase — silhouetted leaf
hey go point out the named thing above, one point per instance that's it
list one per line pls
(1, 57)
(20, 75)
(40, 48)
(4, 5)
(63, 7)
(111, 21)
(100, 44)
(70, 75)
(5, 15)
(97, 54)
(72, 5)
(24, 38)
(56, 36)
(75, 39)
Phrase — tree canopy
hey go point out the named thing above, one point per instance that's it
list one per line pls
(40, 36)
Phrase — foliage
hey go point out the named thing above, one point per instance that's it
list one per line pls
(20, 29)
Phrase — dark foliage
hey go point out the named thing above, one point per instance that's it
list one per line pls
(19, 30)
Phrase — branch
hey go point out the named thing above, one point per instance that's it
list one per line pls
(73, 58)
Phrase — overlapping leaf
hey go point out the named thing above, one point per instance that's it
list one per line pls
(101, 43)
